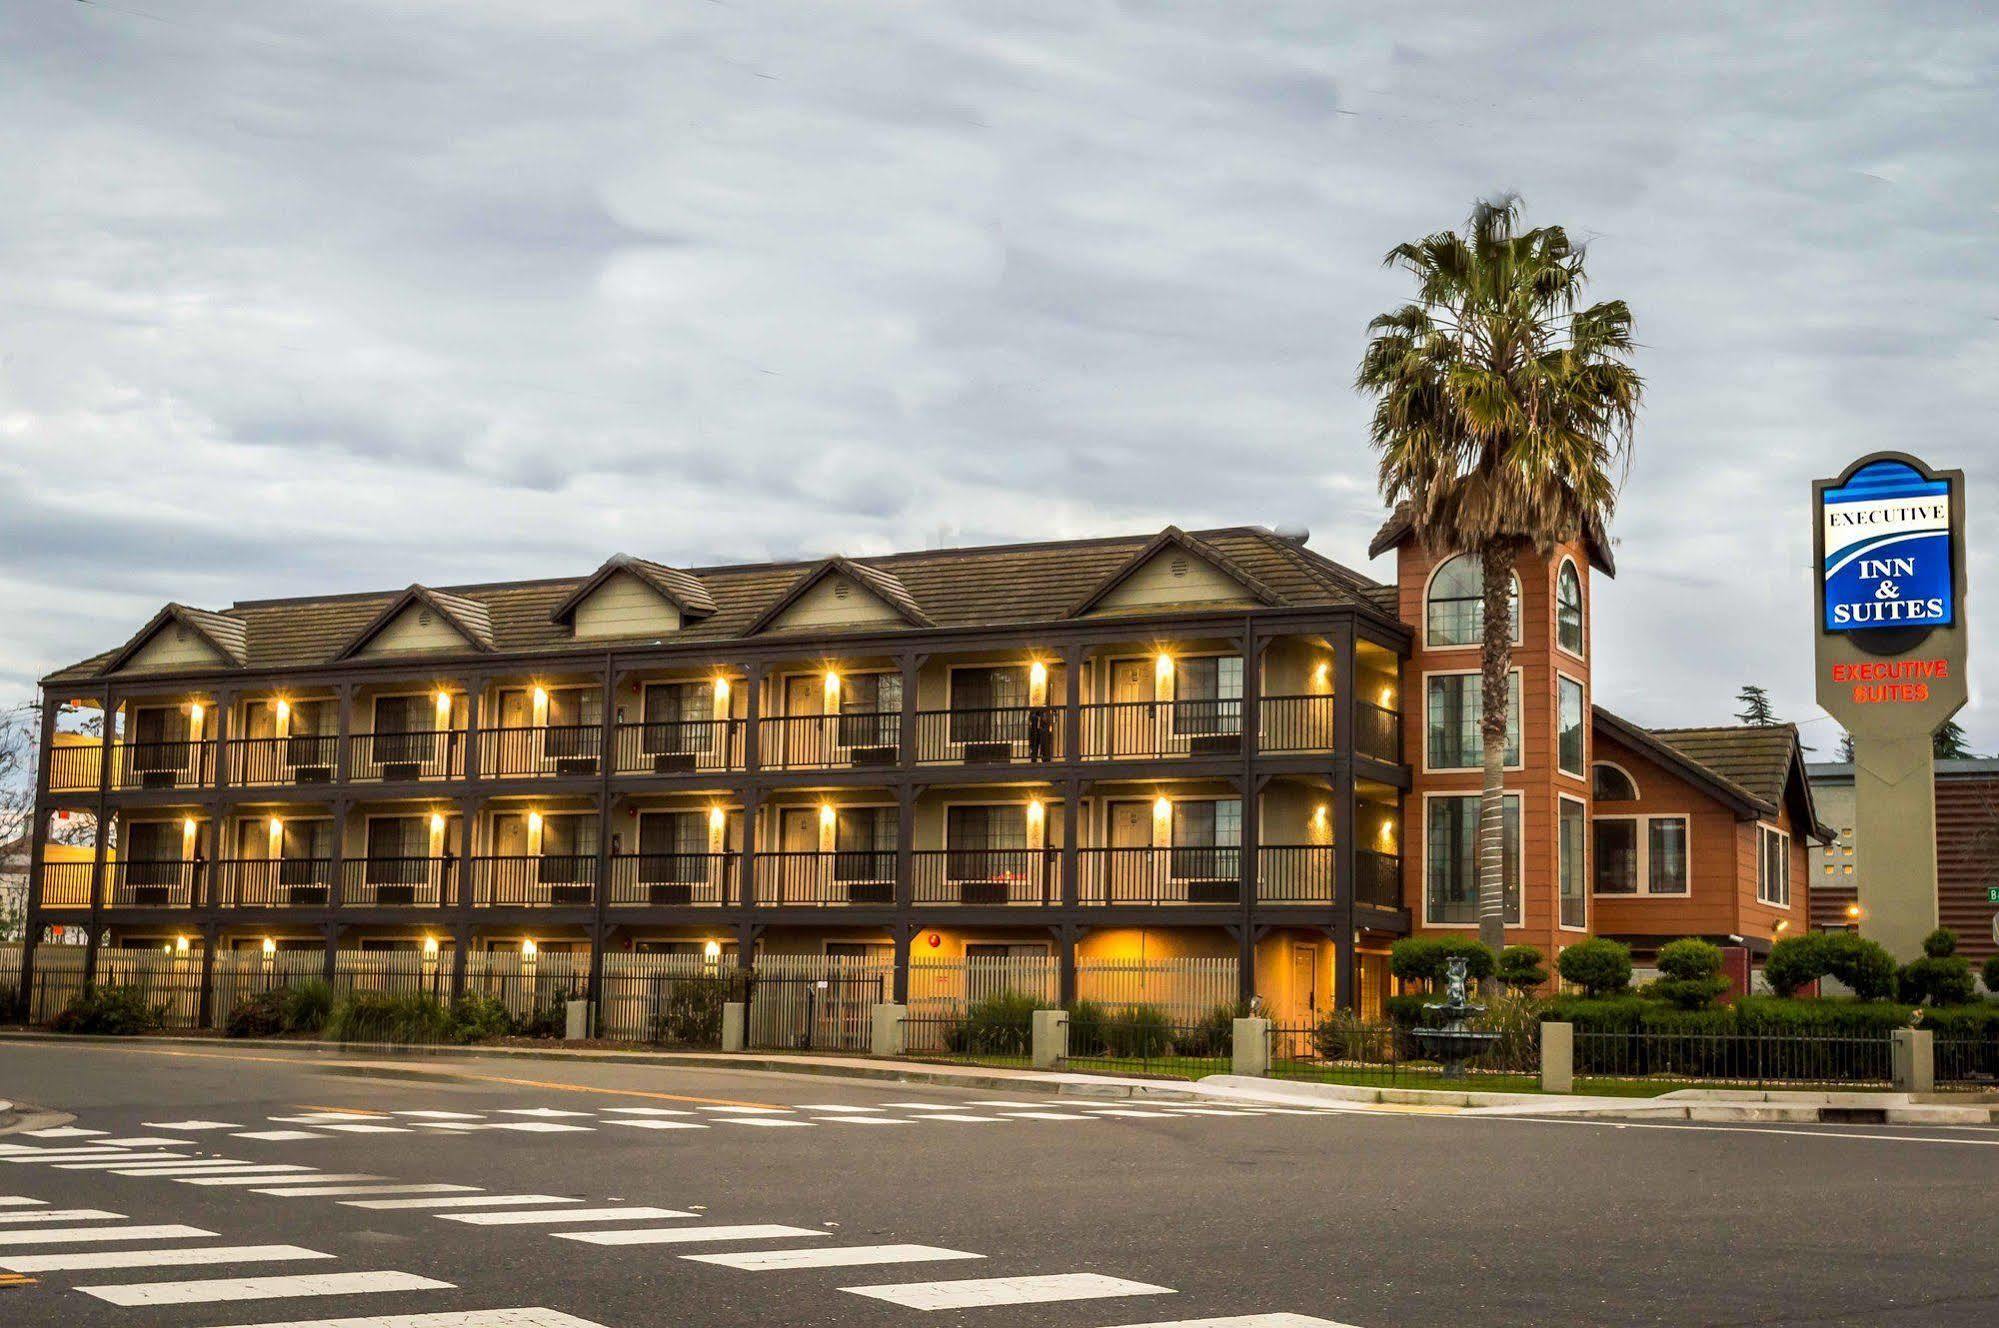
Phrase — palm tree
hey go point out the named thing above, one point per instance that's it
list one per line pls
(1504, 410)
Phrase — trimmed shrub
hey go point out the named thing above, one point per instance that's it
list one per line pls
(1140, 1031)
(1522, 968)
(998, 1025)
(261, 1015)
(1425, 959)
(1344, 1036)
(1864, 966)
(307, 1006)
(1940, 944)
(1411, 1011)
(1089, 1028)
(1796, 962)
(1768, 1016)
(1991, 975)
(479, 1018)
(377, 1016)
(1937, 980)
(1214, 1035)
(1693, 979)
(690, 1015)
(113, 1010)
(1600, 967)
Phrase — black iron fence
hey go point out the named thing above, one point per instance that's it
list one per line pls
(680, 747)
(1148, 1040)
(988, 876)
(1344, 1048)
(972, 1036)
(1738, 1059)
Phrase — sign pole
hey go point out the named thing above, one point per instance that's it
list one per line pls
(1891, 644)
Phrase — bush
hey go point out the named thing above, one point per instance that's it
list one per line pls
(691, 1013)
(1768, 1016)
(1426, 959)
(1141, 1031)
(115, 1010)
(1796, 962)
(1864, 966)
(1940, 944)
(307, 1006)
(1991, 975)
(1693, 979)
(261, 1015)
(1937, 980)
(1600, 967)
(1344, 1036)
(1001, 1024)
(548, 1019)
(1522, 968)
(376, 1016)
(479, 1018)
(1214, 1035)
(1089, 1028)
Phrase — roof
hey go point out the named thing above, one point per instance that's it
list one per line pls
(1169, 538)
(992, 586)
(884, 585)
(224, 633)
(468, 615)
(683, 590)
(1756, 768)
(1401, 526)
(1955, 767)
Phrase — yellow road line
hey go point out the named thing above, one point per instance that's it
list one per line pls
(477, 1078)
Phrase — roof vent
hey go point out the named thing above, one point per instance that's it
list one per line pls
(423, 618)
(840, 590)
(1292, 534)
(1179, 567)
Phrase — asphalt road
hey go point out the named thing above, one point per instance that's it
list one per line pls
(1379, 1221)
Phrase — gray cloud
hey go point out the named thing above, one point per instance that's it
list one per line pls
(308, 297)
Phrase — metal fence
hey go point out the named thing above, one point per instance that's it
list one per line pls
(816, 1002)
(241, 975)
(530, 986)
(668, 999)
(394, 972)
(978, 1009)
(1738, 1059)
(1344, 1049)
(1967, 1061)
(169, 981)
(1186, 991)
(1146, 1040)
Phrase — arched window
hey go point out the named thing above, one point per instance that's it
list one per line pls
(1569, 609)
(1456, 609)
(1609, 783)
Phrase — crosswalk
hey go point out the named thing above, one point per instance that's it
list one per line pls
(39, 1238)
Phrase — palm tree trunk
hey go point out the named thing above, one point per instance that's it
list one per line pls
(1496, 667)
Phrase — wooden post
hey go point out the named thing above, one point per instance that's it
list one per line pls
(1346, 991)
(104, 776)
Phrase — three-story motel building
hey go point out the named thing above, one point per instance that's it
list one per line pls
(1217, 743)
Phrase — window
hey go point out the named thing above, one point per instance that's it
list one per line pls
(1773, 877)
(1457, 708)
(982, 840)
(1456, 615)
(1574, 899)
(1641, 855)
(405, 728)
(1209, 695)
(1569, 708)
(1569, 609)
(1451, 886)
(871, 710)
(160, 739)
(398, 850)
(864, 844)
(986, 704)
(679, 717)
(1207, 839)
(1611, 784)
(152, 852)
(673, 848)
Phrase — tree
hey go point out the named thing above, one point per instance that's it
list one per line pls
(1755, 706)
(1846, 747)
(1503, 415)
(19, 736)
(1948, 742)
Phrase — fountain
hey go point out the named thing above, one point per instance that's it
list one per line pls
(1454, 1044)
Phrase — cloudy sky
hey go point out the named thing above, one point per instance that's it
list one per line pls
(341, 295)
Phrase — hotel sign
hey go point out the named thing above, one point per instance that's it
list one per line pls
(1889, 549)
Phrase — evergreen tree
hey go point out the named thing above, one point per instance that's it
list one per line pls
(1948, 742)
(1755, 705)
(1846, 747)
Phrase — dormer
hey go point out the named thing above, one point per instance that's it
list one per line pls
(842, 593)
(630, 597)
(182, 639)
(422, 621)
(1174, 569)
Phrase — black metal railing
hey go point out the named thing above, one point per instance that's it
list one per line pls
(155, 883)
(75, 767)
(681, 746)
(1297, 874)
(1967, 1060)
(1748, 1059)
(163, 765)
(1377, 878)
(1160, 875)
(976, 1036)
(394, 758)
(994, 735)
(399, 882)
(673, 880)
(827, 742)
(865, 877)
(66, 884)
(264, 762)
(1296, 723)
(986, 876)
(1377, 732)
(1141, 730)
(539, 880)
(546, 751)
(273, 882)
(1345, 1048)
(1149, 1040)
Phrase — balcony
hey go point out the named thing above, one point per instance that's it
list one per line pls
(75, 767)
(672, 880)
(551, 880)
(680, 747)
(66, 884)
(398, 882)
(1002, 735)
(831, 742)
(1378, 878)
(1161, 730)
(1377, 732)
(548, 751)
(406, 758)
(1297, 874)
(163, 765)
(271, 762)
(989, 877)
(154, 884)
(1296, 723)
(821, 880)
(1209, 876)
(272, 882)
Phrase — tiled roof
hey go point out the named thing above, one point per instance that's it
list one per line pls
(1756, 757)
(996, 586)
(681, 589)
(1401, 525)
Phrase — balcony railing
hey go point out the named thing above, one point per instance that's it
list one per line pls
(273, 882)
(1377, 732)
(1296, 723)
(785, 880)
(566, 880)
(139, 883)
(66, 884)
(399, 882)
(831, 742)
(680, 747)
(263, 762)
(987, 876)
(1155, 730)
(1378, 878)
(673, 880)
(1160, 875)
(548, 751)
(1297, 874)
(76, 767)
(999, 735)
(404, 758)
(163, 765)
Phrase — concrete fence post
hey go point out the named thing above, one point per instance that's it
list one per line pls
(1915, 1060)
(735, 1025)
(1558, 1058)
(576, 1021)
(1051, 1038)
(887, 1033)
(1250, 1050)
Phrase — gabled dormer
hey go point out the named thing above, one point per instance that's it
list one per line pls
(841, 593)
(183, 638)
(631, 597)
(422, 621)
(1172, 570)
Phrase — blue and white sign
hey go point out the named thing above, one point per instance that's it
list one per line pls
(1887, 550)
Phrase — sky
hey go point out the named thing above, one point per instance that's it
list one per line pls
(309, 297)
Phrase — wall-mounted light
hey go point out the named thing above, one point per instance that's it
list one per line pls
(832, 684)
(1321, 816)
(281, 708)
(717, 818)
(187, 826)
(437, 823)
(1162, 807)
(712, 951)
(534, 822)
(528, 950)
(1162, 669)
(1037, 674)
(1037, 810)
(180, 945)
(721, 691)
(826, 815)
(1782, 924)
(194, 712)
(1853, 910)
(430, 947)
(1387, 701)
(541, 696)
(277, 825)
(270, 948)
(1323, 675)
(1387, 836)
(443, 702)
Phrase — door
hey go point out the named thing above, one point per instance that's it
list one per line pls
(1129, 871)
(1133, 720)
(1305, 983)
(799, 736)
(798, 856)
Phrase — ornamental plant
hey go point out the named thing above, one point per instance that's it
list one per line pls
(1600, 967)
(1941, 976)
(1692, 974)
(1522, 968)
(1426, 959)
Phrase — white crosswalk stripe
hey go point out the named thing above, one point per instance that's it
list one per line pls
(539, 1111)
(537, 1127)
(528, 1316)
(860, 1120)
(1279, 1320)
(954, 1116)
(88, 1155)
(213, 1290)
(64, 1132)
(195, 1125)
(1046, 1115)
(834, 1106)
(747, 1111)
(112, 1163)
(364, 1127)
(14, 1218)
(982, 1291)
(688, 1235)
(441, 1115)
(76, 1235)
(341, 1191)
(532, 1216)
(758, 1120)
(847, 1256)
(142, 1141)
(272, 1170)
(647, 1111)
(319, 1178)
(458, 1201)
(19, 1201)
(278, 1136)
(649, 1124)
(175, 1258)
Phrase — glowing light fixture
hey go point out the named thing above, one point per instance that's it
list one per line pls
(534, 820)
(1162, 807)
(180, 945)
(282, 708)
(1037, 674)
(712, 951)
(443, 702)
(1036, 810)
(194, 712)
(527, 950)
(1323, 675)
(277, 825)
(270, 947)
(437, 822)
(717, 818)
(832, 684)
(1853, 910)
(1387, 698)
(1162, 668)
(541, 696)
(187, 825)
(721, 691)
(826, 814)
(1782, 924)
(1321, 814)
(430, 947)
